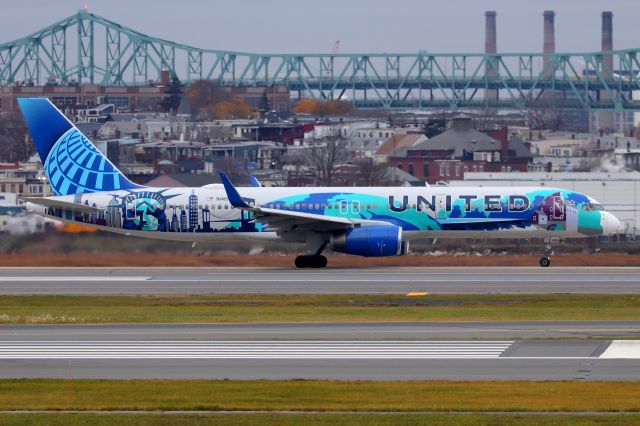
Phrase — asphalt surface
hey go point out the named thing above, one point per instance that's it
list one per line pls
(329, 351)
(470, 280)
(336, 331)
(505, 360)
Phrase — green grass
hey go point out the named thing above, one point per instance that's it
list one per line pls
(315, 395)
(313, 308)
(311, 419)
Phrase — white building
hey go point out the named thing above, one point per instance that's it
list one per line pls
(618, 192)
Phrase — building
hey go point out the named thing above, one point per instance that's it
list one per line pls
(397, 143)
(128, 98)
(460, 149)
(22, 181)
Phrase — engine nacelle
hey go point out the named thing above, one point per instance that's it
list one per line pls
(370, 241)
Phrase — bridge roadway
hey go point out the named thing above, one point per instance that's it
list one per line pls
(400, 280)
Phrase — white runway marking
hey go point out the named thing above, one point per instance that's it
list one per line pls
(253, 350)
(76, 278)
(622, 349)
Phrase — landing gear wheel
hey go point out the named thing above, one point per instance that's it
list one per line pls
(545, 262)
(318, 262)
(302, 262)
(311, 261)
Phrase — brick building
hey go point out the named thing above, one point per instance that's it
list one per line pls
(461, 149)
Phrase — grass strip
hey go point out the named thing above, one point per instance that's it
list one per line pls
(312, 419)
(313, 308)
(317, 395)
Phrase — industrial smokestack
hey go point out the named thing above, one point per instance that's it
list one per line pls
(607, 36)
(605, 118)
(490, 38)
(491, 47)
(549, 43)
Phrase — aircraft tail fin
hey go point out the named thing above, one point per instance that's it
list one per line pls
(71, 162)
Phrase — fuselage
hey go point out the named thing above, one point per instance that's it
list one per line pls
(206, 214)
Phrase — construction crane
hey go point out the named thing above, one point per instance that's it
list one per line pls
(336, 46)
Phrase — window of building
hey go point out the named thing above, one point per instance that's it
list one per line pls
(410, 169)
(400, 166)
(425, 170)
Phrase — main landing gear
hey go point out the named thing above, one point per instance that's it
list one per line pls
(316, 243)
(315, 261)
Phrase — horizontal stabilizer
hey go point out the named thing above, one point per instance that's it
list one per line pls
(49, 202)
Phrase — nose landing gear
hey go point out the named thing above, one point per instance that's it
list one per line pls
(545, 262)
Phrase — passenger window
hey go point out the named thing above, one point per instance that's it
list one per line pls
(304, 206)
(317, 206)
(298, 206)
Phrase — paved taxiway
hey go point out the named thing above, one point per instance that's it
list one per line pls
(460, 360)
(336, 331)
(529, 280)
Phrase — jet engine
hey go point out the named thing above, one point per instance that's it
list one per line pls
(370, 241)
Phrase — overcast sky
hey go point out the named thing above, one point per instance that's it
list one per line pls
(274, 26)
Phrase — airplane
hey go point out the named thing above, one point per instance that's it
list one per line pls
(362, 221)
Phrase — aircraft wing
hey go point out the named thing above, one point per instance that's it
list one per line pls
(287, 219)
(50, 202)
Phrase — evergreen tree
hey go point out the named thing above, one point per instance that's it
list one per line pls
(264, 105)
(173, 94)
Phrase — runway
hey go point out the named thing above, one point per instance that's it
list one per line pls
(451, 360)
(337, 331)
(470, 280)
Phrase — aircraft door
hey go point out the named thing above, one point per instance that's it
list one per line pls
(344, 207)
(441, 206)
(559, 207)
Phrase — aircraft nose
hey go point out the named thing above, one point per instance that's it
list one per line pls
(612, 225)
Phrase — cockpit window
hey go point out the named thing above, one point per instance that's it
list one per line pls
(588, 207)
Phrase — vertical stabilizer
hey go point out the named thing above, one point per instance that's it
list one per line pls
(71, 162)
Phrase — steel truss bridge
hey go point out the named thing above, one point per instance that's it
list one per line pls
(86, 48)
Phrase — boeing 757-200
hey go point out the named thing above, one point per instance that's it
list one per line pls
(371, 221)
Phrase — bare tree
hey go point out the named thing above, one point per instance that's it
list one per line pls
(13, 145)
(372, 173)
(325, 158)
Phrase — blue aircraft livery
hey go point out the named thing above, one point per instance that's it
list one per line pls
(371, 221)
